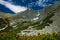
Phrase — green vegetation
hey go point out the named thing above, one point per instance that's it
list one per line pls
(53, 36)
(12, 36)
(2, 23)
(45, 22)
(37, 25)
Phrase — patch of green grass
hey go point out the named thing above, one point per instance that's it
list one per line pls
(13, 36)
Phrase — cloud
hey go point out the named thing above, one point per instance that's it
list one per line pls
(14, 8)
(19, 6)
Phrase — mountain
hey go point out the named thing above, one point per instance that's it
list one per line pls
(41, 14)
(30, 14)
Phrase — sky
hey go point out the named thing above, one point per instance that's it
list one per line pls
(10, 8)
(15, 6)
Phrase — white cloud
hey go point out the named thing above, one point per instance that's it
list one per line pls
(12, 7)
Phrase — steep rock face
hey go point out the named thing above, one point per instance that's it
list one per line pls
(31, 14)
(28, 14)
